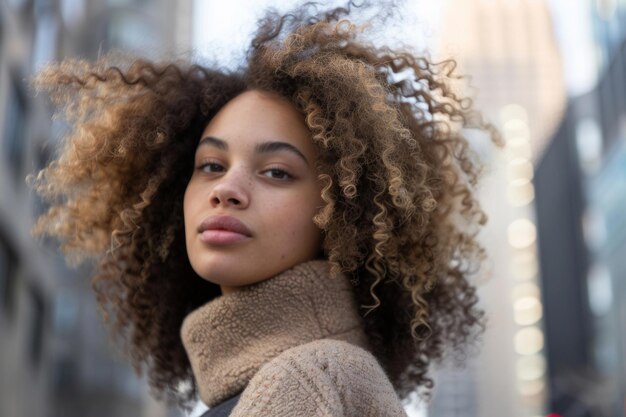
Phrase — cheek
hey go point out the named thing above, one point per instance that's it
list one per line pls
(295, 220)
(186, 202)
(188, 206)
(288, 218)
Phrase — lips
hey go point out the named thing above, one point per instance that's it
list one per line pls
(223, 231)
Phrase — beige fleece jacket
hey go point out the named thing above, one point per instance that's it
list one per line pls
(295, 342)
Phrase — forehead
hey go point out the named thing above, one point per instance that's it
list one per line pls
(255, 116)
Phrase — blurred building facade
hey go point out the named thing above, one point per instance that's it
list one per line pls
(507, 49)
(581, 205)
(54, 353)
(557, 299)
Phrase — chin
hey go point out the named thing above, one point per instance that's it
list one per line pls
(231, 271)
(226, 275)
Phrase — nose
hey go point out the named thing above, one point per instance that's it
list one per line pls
(230, 191)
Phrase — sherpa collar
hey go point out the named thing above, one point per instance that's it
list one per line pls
(229, 338)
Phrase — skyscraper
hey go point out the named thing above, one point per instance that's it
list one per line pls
(54, 355)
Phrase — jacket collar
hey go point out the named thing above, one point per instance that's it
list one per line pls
(229, 338)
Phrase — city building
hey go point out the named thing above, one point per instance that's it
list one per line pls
(54, 353)
(506, 51)
(581, 206)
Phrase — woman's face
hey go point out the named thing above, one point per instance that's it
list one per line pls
(250, 203)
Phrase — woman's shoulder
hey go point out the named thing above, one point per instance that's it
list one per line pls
(327, 354)
(325, 377)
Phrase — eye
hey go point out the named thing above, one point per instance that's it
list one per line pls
(278, 174)
(210, 167)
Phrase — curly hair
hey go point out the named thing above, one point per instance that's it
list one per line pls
(400, 215)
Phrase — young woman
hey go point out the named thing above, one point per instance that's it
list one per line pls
(292, 238)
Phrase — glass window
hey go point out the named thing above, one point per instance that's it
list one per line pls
(36, 325)
(65, 312)
(46, 31)
(18, 4)
(124, 3)
(2, 26)
(589, 144)
(8, 279)
(130, 31)
(64, 384)
(73, 12)
(15, 128)
(4, 271)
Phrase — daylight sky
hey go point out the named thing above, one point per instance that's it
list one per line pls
(222, 29)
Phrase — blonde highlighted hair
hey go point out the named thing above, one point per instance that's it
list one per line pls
(400, 215)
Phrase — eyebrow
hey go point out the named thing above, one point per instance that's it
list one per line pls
(260, 148)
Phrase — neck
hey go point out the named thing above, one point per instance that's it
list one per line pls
(228, 290)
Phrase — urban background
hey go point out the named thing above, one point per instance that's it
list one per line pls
(551, 74)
